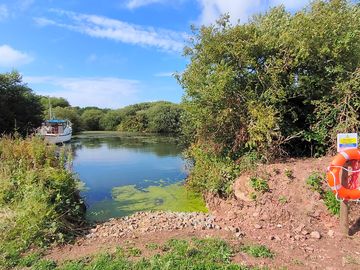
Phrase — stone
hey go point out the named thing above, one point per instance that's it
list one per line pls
(331, 233)
(257, 226)
(315, 235)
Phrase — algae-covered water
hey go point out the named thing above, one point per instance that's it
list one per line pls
(125, 173)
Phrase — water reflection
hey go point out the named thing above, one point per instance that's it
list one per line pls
(105, 161)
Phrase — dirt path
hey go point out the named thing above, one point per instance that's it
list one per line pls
(290, 219)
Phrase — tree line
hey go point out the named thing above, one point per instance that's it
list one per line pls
(21, 110)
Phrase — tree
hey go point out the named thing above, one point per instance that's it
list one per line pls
(164, 118)
(91, 119)
(54, 101)
(111, 120)
(20, 108)
(278, 84)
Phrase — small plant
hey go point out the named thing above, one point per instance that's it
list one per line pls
(258, 251)
(276, 171)
(133, 251)
(314, 181)
(332, 204)
(259, 184)
(283, 199)
(289, 174)
(152, 246)
(253, 196)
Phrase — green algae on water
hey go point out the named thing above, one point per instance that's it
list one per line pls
(128, 200)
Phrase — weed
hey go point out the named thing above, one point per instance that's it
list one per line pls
(133, 251)
(259, 184)
(253, 196)
(152, 246)
(276, 171)
(29, 259)
(314, 181)
(332, 204)
(289, 174)
(283, 199)
(258, 251)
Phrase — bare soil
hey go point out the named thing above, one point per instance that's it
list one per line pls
(290, 219)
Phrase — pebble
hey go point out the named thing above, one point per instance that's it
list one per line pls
(155, 222)
(315, 235)
(331, 233)
(257, 226)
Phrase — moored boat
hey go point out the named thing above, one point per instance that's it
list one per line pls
(56, 131)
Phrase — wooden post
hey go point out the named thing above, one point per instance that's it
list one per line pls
(344, 207)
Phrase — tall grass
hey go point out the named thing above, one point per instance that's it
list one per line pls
(39, 199)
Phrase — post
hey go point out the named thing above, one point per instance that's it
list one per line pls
(344, 207)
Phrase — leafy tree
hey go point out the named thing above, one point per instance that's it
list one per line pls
(20, 108)
(91, 119)
(164, 118)
(280, 84)
(54, 101)
(111, 120)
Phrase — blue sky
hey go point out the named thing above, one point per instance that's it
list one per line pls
(109, 53)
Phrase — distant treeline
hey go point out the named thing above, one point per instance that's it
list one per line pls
(22, 111)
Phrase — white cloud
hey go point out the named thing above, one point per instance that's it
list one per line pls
(133, 4)
(4, 12)
(11, 58)
(241, 9)
(103, 27)
(105, 92)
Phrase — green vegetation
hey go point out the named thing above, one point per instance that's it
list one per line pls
(39, 201)
(258, 251)
(20, 108)
(278, 85)
(315, 182)
(289, 174)
(128, 200)
(176, 254)
(259, 184)
(282, 199)
(332, 204)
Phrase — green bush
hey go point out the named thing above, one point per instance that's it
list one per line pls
(280, 84)
(314, 181)
(211, 173)
(39, 200)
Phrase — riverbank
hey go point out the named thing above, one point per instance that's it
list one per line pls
(290, 219)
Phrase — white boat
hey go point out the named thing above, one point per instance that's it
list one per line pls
(56, 131)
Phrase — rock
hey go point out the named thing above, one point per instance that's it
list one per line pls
(304, 232)
(240, 234)
(331, 233)
(315, 235)
(279, 226)
(257, 226)
(299, 228)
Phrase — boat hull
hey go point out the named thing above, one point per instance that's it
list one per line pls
(57, 138)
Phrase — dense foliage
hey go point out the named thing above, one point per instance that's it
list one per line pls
(20, 108)
(280, 84)
(39, 199)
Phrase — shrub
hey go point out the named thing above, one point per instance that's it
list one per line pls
(332, 204)
(39, 200)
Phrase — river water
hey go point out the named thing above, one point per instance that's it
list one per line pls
(124, 173)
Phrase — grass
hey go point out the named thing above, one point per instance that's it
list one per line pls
(180, 254)
(39, 200)
(258, 251)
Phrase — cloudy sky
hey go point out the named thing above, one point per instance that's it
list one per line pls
(109, 53)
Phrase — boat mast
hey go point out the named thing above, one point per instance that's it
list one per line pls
(50, 108)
